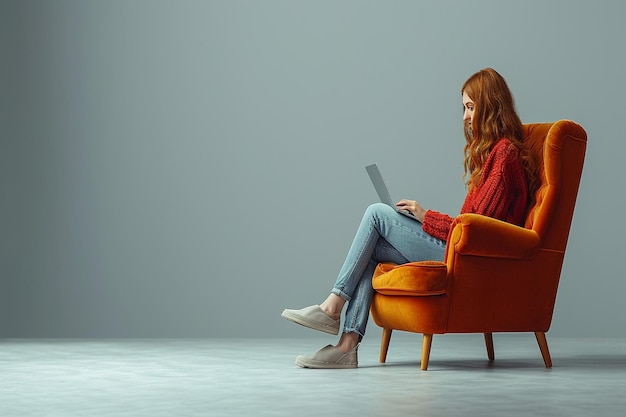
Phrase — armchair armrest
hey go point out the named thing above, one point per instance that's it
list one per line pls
(477, 235)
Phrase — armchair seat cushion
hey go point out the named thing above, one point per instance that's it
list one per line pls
(415, 279)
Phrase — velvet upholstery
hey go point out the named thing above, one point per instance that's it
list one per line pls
(498, 277)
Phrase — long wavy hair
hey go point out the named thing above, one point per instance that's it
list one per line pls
(494, 118)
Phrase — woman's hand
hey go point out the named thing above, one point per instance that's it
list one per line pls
(414, 207)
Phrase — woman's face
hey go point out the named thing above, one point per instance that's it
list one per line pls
(468, 109)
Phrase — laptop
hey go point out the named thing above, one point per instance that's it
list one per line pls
(383, 191)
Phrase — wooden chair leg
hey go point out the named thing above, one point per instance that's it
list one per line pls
(384, 344)
(543, 347)
(427, 341)
(489, 343)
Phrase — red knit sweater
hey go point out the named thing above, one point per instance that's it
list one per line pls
(502, 192)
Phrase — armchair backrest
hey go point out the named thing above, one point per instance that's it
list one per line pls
(559, 149)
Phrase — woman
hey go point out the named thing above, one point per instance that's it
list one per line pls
(500, 180)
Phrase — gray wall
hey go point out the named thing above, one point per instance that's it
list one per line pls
(190, 168)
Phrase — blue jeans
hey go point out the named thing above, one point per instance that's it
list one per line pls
(383, 236)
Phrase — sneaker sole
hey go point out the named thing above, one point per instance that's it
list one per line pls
(304, 363)
(310, 325)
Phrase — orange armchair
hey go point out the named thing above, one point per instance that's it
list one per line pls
(496, 277)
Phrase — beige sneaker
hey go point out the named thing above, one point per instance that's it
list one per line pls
(330, 357)
(313, 317)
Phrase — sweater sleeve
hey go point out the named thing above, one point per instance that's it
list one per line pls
(437, 224)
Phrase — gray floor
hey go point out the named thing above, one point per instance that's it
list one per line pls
(250, 377)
